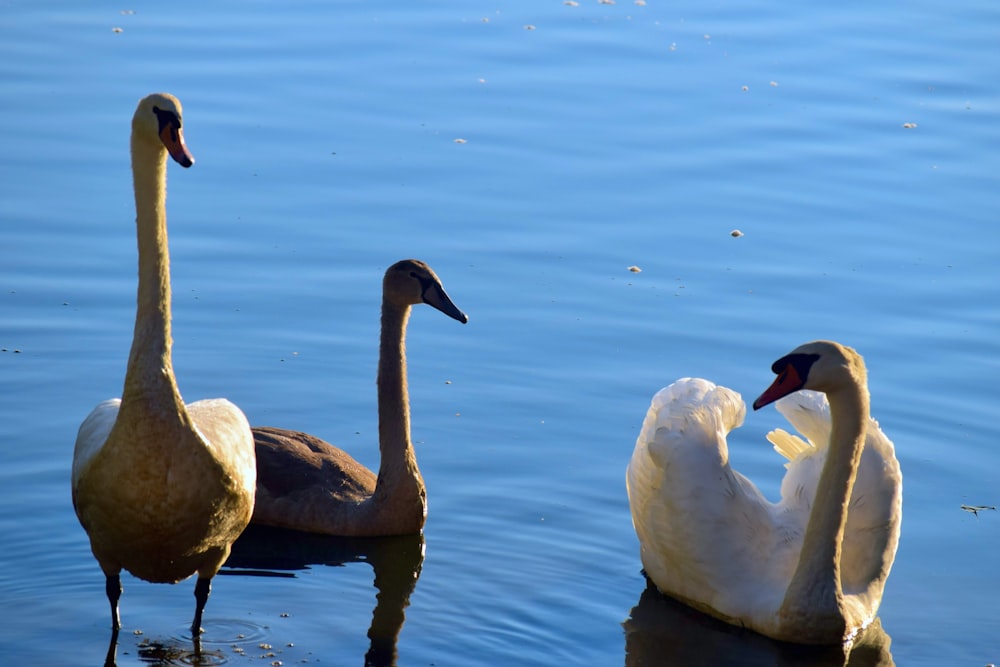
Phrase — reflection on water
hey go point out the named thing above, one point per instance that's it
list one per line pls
(662, 631)
(202, 651)
(164, 653)
(396, 561)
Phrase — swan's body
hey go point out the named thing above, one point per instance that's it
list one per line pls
(810, 568)
(306, 484)
(162, 488)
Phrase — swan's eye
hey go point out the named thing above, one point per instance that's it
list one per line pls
(167, 119)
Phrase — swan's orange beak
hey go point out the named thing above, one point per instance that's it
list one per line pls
(788, 381)
(173, 139)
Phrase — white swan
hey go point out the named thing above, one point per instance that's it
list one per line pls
(809, 569)
(161, 488)
(307, 484)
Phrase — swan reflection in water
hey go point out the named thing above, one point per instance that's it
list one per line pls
(661, 631)
(396, 561)
(169, 653)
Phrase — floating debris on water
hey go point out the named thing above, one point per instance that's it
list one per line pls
(976, 509)
(736, 233)
(635, 269)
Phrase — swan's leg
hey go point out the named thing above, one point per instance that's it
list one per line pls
(201, 591)
(113, 588)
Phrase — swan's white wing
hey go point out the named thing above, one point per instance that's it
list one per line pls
(226, 431)
(707, 535)
(92, 435)
(875, 514)
(809, 412)
(873, 519)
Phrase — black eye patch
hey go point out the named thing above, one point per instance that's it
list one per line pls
(167, 119)
(801, 362)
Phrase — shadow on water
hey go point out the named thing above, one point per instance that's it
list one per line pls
(662, 631)
(396, 561)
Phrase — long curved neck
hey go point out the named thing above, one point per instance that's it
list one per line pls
(815, 588)
(399, 478)
(149, 378)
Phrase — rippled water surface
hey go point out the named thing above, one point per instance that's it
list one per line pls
(531, 152)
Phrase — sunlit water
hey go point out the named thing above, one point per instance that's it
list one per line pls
(531, 152)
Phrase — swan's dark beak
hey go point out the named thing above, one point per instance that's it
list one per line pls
(788, 381)
(173, 139)
(435, 296)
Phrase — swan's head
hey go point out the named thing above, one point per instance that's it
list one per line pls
(821, 365)
(410, 281)
(157, 119)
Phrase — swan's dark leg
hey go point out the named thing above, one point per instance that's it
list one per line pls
(201, 591)
(113, 587)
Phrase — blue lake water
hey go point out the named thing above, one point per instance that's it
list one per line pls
(531, 152)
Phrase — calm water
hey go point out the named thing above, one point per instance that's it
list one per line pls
(530, 152)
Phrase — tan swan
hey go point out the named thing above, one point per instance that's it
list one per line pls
(808, 569)
(306, 484)
(162, 488)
